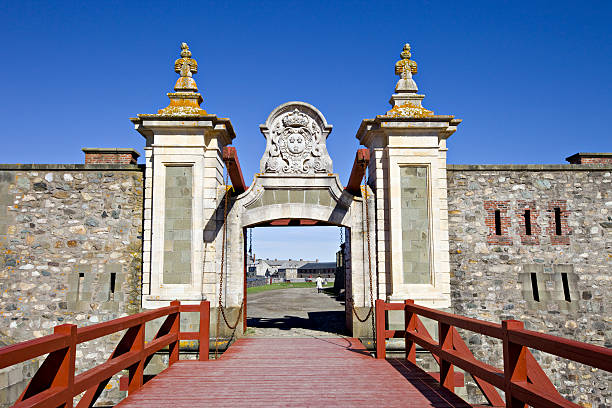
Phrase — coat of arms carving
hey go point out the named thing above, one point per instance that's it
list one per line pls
(296, 134)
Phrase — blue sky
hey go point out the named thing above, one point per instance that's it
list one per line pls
(529, 79)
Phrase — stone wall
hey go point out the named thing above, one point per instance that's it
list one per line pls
(70, 242)
(557, 278)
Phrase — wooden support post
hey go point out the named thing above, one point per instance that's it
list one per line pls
(136, 372)
(65, 374)
(381, 342)
(204, 329)
(175, 329)
(515, 363)
(410, 324)
(447, 371)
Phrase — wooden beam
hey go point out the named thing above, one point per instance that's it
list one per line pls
(281, 222)
(230, 157)
(362, 159)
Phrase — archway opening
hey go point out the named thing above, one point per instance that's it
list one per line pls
(285, 262)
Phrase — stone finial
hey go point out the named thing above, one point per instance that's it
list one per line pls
(185, 67)
(405, 67)
(405, 101)
(185, 59)
(186, 100)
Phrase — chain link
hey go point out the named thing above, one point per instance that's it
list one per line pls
(220, 307)
(351, 301)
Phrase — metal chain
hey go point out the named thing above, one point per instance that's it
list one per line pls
(220, 307)
(351, 301)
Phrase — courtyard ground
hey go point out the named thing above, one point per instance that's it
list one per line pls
(294, 312)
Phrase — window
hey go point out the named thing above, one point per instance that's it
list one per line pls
(534, 287)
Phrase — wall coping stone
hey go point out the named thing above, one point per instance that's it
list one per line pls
(83, 167)
(529, 167)
(110, 150)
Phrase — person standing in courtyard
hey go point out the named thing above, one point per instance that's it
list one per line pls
(319, 284)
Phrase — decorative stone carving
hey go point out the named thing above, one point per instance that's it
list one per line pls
(186, 100)
(405, 101)
(296, 134)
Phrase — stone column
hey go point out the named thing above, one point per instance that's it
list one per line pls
(408, 175)
(183, 190)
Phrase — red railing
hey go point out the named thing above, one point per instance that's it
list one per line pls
(522, 379)
(55, 383)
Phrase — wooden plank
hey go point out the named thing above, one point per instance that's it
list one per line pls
(230, 157)
(268, 372)
(589, 354)
(17, 353)
(360, 165)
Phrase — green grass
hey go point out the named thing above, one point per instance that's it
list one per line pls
(276, 286)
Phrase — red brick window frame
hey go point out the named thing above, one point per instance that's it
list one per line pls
(491, 207)
(557, 228)
(526, 225)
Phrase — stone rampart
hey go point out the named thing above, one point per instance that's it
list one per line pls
(545, 258)
(70, 242)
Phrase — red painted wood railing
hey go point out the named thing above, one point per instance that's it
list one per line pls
(522, 379)
(55, 383)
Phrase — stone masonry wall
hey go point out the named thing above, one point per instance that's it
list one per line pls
(555, 275)
(70, 252)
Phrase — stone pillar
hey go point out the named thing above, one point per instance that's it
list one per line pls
(183, 190)
(408, 176)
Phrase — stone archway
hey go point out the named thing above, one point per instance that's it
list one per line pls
(296, 185)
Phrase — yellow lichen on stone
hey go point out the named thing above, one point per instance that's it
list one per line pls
(405, 64)
(409, 110)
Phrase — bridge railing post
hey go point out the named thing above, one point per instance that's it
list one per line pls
(445, 341)
(381, 342)
(204, 329)
(64, 377)
(175, 329)
(515, 362)
(136, 372)
(410, 324)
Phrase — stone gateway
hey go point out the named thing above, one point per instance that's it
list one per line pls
(84, 243)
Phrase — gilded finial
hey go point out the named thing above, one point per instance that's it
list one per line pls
(185, 100)
(185, 67)
(185, 59)
(405, 65)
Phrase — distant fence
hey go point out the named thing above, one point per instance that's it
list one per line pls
(257, 281)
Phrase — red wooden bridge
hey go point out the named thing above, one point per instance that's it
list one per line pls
(298, 371)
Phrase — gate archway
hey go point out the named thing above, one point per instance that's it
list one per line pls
(297, 186)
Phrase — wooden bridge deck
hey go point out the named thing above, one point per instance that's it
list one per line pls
(273, 372)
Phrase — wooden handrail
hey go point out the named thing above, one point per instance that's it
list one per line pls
(55, 383)
(522, 379)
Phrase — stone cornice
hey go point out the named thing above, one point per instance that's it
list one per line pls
(528, 167)
(222, 125)
(447, 125)
(60, 167)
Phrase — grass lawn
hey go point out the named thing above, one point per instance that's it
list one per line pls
(276, 286)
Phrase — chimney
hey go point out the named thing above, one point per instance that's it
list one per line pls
(590, 158)
(110, 156)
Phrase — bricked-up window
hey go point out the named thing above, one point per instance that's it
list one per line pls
(527, 215)
(557, 229)
(498, 222)
(80, 286)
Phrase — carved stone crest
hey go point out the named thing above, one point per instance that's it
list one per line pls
(296, 134)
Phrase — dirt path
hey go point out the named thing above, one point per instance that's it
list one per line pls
(298, 312)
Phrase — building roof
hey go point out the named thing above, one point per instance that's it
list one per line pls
(318, 265)
(293, 264)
